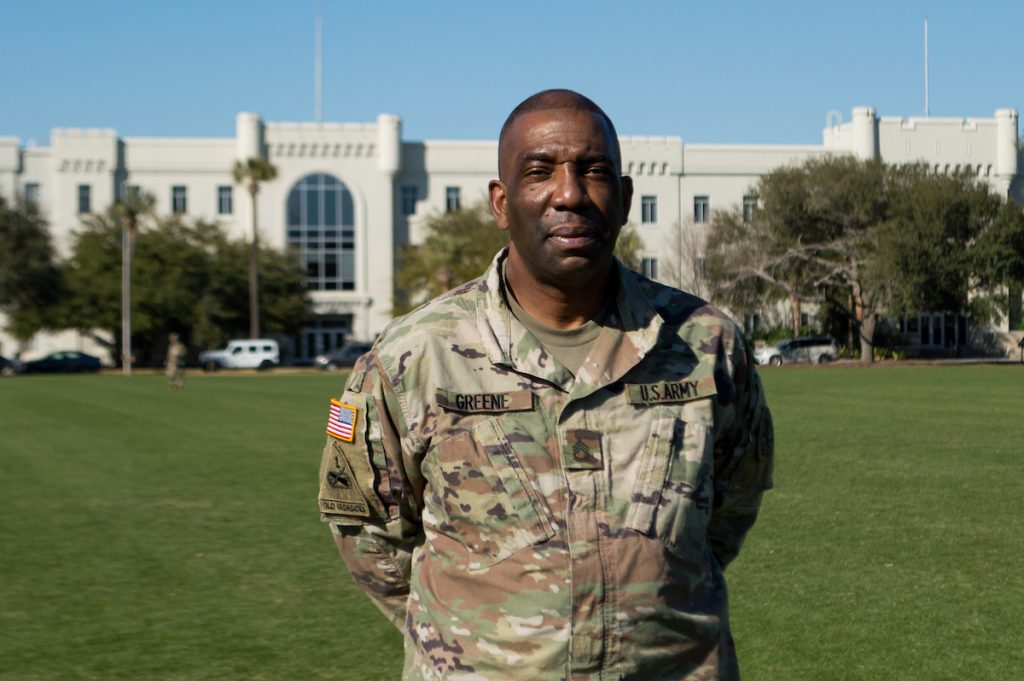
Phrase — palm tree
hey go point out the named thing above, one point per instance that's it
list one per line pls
(250, 173)
(129, 209)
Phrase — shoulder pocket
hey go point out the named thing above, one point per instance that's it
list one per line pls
(483, 497)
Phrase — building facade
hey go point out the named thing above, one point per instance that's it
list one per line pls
(348, 196)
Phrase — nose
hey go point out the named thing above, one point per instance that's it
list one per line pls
(570, 191)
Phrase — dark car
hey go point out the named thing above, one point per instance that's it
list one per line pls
(343, 357)
(66, 361)
(6, 366)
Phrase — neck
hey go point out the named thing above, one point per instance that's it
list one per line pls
(558, 305)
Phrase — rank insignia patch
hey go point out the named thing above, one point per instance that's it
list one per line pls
(342, 421)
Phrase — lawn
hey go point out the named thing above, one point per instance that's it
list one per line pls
(151, 535)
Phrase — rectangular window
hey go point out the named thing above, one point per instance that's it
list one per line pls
(84, 198)
(178, 202)
(31, 192)
(701, 209)
(408, 199)
(649, 268)
(224, 202)
(749, 206)
(648, 209)
(452, 199)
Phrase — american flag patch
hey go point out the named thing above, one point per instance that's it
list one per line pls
(342, 421)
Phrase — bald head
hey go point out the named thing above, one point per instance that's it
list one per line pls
(555, 99)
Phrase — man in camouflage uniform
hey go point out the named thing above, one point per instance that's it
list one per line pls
(174, 363)
(543, 473)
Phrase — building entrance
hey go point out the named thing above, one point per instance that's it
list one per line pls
(324, 336)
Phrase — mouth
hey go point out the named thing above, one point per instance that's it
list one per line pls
(575, 236)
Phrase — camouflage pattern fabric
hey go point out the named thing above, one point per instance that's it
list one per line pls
(517, 522)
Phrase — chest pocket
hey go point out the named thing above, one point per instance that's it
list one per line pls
(483, 496)
(672, 495)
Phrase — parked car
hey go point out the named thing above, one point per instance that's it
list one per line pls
(6, 366)
(343, 357)
(65, 361)
(812, 349)
(243, 353)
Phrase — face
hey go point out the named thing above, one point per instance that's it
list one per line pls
(560, 196)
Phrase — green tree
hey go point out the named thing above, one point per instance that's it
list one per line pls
(457, 247)
(30, 280)
(251, 173)
(998, 259)
(926, 257)
(858, 235)
(221, 313)
(189, 277)
(816, 228)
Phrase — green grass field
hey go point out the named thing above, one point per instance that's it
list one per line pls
(150, 535)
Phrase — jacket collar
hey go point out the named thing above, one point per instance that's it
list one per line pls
(632, 331)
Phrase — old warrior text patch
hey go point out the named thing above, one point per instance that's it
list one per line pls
(340, 493)
(342, 421)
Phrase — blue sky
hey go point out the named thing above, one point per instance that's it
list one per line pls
(744, 72)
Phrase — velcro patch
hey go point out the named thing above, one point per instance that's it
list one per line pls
(341, 423)
(485, 403)
(339, 488)
(581, 449)
(685, 390)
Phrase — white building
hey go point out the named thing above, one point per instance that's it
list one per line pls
(349, 195)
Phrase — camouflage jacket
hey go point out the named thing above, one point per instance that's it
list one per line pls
(517, 522)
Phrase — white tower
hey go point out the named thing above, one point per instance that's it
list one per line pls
(248, 136)
(389, 143)
(865, 133)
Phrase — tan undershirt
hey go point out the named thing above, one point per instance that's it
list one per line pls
(569, 346)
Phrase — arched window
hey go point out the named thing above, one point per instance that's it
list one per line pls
(321, 228)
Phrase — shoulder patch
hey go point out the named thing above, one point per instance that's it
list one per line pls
(347, 480)
(339, 488)
(341, 422)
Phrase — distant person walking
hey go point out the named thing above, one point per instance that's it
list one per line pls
(175, 362)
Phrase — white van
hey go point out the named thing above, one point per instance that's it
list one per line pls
(243, 353)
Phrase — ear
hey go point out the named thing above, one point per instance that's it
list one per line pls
(498, 198)
(627, 196)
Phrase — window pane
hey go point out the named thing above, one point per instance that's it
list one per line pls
(348, 267)
(331, 207)
(313, 208)
(294, 215)
(347, 212)
(84, 199)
